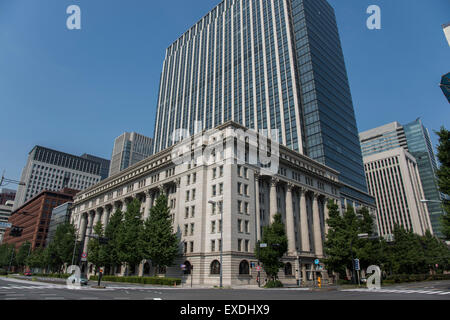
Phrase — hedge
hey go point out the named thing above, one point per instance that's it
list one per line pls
(3, 272)
(51, 275)
(141, 280)
(400, 278)
(273, 284)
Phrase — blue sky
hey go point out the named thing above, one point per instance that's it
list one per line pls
(75, 91)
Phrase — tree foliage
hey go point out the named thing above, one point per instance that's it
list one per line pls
(60, 249)
(127, 240)
(277, 245)
(444, 177)
(97, 253)
(158, 242)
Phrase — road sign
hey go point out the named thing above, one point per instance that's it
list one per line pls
(357, 266)
(5, 225)
(317, 261)
(84, 255)
(183, 267)
(258, 268)
(263, 245)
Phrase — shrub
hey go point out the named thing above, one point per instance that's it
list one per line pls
(273, 284)
(3, 272)
(140, 280)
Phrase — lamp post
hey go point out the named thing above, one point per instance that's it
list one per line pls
(219, 203)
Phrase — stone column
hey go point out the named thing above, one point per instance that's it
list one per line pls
(290, 228)
(88, 231)
(303, 223)
(317, 229)
(105, 218)
(273, 199)
(257, 208)
(83, 225)
(96, 218)
(326, 214)
(178, 213)
(147, 205)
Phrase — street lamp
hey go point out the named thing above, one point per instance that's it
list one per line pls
(219, 203)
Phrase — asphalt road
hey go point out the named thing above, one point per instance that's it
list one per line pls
(13, 289)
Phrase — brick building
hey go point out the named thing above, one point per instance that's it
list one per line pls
(7, 195)
(34, 217)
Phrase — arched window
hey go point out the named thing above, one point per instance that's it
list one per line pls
(215, 267)
(288, 269)
(188, 267)
(244, 267)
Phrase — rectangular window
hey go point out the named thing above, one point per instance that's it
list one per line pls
(192, 246)
(192, 229)
(239, 225)
(213, 227)
(239, 244)
(213, 245)
(193, 212)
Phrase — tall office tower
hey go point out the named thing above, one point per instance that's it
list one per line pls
(104, 164)
(266, 64)
(129, 149)
(418, 144)
(446, 28)
(52, 170)
(393, 179)
(5, 213)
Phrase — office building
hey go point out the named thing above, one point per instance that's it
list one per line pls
(248, 195)
(34, 217)
(393, 179)
(7, 195)
(5, 213)
(446, 28)
(129, 149)
(52, 170)
(104, 164)
(267, 65)
(60, 216)
(418, 144)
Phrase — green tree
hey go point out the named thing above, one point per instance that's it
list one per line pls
(436, 253)
(6, 253)
(128, 237)
(444, 177)
(408, 256)
(342, 242)
(37, 259)
(277, 244)
(23, 253)
(112, 232)
(158, 241)
(60, 249)
(97, 253)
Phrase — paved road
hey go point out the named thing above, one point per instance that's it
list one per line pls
(14, 289)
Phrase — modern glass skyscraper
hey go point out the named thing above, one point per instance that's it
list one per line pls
(129, 149)
(414, 138)
(419, 145)
(265, 64)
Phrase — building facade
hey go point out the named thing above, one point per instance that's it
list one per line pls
(104, 164)
(5, 213)
(248, 195)
(48, 169)
(7, 195)
(274, 65)
(129, 149)
(415, 139)
(34, 217)
(394, 180)
(60, 216)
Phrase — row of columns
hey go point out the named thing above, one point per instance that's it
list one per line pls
(90, 219)
(290, 220)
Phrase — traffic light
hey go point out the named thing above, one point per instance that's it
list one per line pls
(16, 232)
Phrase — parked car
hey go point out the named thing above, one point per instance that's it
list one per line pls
(28, 273)
(84, 281)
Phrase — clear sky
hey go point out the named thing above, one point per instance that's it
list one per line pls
(75, 91)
